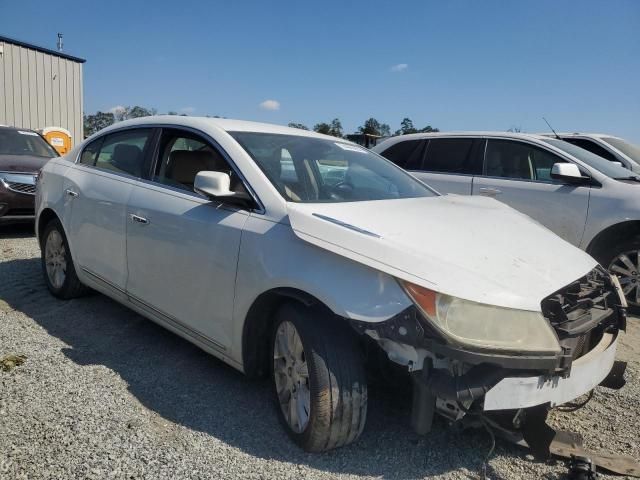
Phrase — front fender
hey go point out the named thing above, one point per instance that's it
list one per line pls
(272, 256)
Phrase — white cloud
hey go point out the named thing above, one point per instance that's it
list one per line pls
(270, 105)
(188, 110)
(117, 109)
(401, 67)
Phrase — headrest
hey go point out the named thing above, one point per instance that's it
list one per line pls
(273, 165)
(127, 158)
(185, 164)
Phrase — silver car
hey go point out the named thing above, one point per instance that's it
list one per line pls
(587, 200)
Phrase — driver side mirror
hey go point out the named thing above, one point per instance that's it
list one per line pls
(216, 185)
(568, 173)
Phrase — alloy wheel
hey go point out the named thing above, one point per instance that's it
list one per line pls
(291, 376)
(55, 259)
(626, 267)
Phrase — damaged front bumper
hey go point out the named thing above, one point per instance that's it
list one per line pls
(454, 380)
(587, 372)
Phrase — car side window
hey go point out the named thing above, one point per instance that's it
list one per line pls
(406, 154)
(592, 147)
(183, 154)
(123, 152)
(451, 155)
(509, 159)
(90, 152)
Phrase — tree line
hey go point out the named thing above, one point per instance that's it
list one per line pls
(99, 120)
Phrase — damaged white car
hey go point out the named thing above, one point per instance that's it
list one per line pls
(306, 257)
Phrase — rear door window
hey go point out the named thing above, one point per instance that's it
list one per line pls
(452, 155)
(123, 152)
(406, 154)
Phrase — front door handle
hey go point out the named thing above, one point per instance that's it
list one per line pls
(490, 191)
(139, 219)
(71, 193)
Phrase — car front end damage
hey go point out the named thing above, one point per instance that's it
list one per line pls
(463, 366)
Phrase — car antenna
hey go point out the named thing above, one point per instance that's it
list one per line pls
(549, 125)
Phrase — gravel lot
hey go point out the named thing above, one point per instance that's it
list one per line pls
(104, 393)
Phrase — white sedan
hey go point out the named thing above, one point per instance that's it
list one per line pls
(307, 257)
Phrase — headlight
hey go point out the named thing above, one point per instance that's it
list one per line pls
(484, 326)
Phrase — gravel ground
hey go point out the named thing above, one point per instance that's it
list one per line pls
(104, 393)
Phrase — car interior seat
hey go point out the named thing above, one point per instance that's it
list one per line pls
(517, 166)
(273, 168)
(184, 165)
(494, 164)
(127, 158)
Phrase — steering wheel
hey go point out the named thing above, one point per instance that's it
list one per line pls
(341, 190)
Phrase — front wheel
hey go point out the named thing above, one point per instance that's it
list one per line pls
(623, 260)
(319, 379)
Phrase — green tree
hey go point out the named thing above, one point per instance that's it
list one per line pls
(336, 128)
(406, 127)
(428, 129)
(138, 111)
(96, 122)
(322, 127)
(370, 127)
(301, 126)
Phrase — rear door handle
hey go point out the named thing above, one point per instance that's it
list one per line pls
(71, 193)
(139, 219)
(489, 191)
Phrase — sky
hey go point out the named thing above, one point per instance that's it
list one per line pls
(454, 65)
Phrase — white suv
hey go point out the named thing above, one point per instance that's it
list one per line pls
(588, 201)
(308, 257)
(612, 148)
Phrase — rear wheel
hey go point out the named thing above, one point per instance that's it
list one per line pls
(319, 379)
(57, 265)
(623, 260)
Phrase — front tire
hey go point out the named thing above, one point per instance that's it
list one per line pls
(623, 260)
(57, 264)
(319, 379)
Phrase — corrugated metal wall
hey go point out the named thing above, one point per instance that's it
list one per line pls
(40, 90)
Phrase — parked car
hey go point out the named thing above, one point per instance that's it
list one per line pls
(22, 154)
(587, 200)
(612, 148)
(310, 272)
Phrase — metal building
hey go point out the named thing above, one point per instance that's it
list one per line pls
(40, 88)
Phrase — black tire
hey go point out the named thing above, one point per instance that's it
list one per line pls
(71, 287)
(336, 379)
(606, 257)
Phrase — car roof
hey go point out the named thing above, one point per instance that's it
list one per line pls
(579, 134)
(514, 135)
(226, 124)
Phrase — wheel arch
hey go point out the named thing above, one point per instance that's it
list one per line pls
(259, 321)
(44, 218)
(612, 235)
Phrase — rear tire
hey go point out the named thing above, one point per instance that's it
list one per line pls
(57, 264)
(317, 359)
(623, 260)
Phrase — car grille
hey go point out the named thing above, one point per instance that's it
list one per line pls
(582, 311)
(27, 188)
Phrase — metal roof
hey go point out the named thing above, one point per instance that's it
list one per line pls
(41, 49)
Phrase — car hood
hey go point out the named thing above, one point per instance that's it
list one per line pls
(469, 247)
(22, 163)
